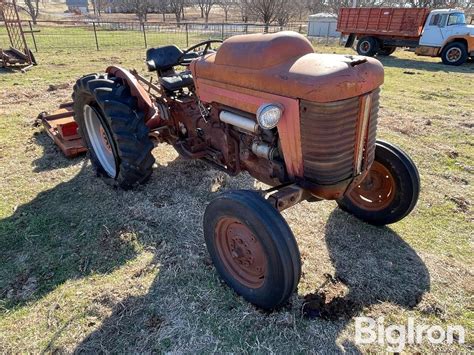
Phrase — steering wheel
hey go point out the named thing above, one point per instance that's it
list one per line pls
(182, 58)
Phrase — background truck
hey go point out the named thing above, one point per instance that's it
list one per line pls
(435, 33)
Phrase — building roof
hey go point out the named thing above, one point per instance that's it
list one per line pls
(79, 3)
(323, 15)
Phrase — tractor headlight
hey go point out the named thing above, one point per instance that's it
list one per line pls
(268, 115)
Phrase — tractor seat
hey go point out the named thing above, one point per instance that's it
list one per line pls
(178, 81)
(164, 58)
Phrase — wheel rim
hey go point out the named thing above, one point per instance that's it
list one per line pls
(376, 191)
(100, 141)
(241, 252)
(453, 55)
(365, 46)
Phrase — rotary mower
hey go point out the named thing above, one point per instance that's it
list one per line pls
(301, 122)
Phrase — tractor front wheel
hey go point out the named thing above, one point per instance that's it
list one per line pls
(390, 190)
(252, 248)
(114, 130)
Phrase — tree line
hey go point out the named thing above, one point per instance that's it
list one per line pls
(266, 11)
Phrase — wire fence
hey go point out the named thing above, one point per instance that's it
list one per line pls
(100, 35)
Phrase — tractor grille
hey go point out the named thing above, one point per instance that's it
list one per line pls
(372, 130)
(328, 138)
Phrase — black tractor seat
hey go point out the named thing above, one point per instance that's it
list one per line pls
(164, 58)
(178, 81)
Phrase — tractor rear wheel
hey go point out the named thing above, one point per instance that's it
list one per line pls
(114, 130)
(390, 190)
(368, 46)
(252, 248)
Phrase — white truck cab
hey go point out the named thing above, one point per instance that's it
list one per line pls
(447, 34)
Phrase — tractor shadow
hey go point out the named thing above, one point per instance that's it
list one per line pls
(64, 233)
(81, 226)
(52, 157)
(373, 265)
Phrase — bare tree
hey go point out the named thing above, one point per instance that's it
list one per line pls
(441, 3)
(200, 5)
(289, 9)
(206, 7)
(163, 7)
(316, 6)
(32, 9)
(176, 7)
(244, 10)
(266, 11)
(98, 6)
(226, 5)
(140, 8)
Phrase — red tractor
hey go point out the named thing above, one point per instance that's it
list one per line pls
(301, 122)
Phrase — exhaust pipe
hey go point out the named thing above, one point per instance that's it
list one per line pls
(239, 121)
(263, 150)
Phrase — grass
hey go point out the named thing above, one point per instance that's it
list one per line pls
(85, 267)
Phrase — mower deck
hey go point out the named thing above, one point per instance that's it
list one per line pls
(63, 130)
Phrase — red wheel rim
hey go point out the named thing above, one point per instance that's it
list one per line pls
(454, 54)
(376, 191)
(241, 252)
(105, 139)
(365, 46)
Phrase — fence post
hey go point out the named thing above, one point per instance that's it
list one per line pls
(144, 35)
(187, 35)
(95, 36)
(33, 36)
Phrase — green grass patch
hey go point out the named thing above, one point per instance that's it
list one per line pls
(87, 268)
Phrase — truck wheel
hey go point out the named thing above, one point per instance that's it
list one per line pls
(390, 190)
(252, 248)
(367, 46)
(454, 54)
(386, 51)
(114, 130)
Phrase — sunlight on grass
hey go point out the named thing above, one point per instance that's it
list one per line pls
(85, 267)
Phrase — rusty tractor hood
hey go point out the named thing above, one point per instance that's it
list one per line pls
(285, 64)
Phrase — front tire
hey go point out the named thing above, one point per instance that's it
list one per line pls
(454, 54)
(252, 248)
(114, 130)
(390, 190)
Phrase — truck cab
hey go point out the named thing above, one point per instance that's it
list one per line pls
(447, 34)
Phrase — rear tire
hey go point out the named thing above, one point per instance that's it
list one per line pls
(104, 107)
(386, 51)
(454, 54)
(252, 248)
(390, 190)
(368, 46)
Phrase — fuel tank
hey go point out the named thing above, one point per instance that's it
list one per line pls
(285, 64)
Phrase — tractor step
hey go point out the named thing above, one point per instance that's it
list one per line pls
(63, 130)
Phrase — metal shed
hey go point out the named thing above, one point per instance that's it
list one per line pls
(322, 25)
(78, 5)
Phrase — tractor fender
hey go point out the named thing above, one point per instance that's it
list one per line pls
(145, 103)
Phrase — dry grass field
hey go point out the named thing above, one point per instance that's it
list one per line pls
(84, 267)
